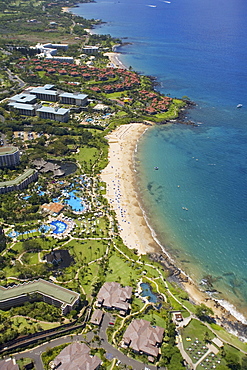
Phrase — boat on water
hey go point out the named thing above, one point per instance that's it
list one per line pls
(185, 208)
(239, 105)
(156, 168)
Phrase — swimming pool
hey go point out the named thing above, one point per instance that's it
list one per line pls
(59, 227)
(147, 292)
(74, 202)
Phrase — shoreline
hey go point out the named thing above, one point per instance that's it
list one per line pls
(136, 233)
(226, 314)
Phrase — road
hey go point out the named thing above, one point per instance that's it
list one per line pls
(35, 353)
(14, 78)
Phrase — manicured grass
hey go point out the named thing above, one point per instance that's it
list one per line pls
(195, 329)
(155, 318)
(223, 334)
(30, 258)
(87, 250)
(86, 154)
(122, 271)
(89, 277)
(21, 323)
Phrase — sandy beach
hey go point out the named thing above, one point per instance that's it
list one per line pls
(119, 177)
(115, 62)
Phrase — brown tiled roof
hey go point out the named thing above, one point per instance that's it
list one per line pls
(53, 207)
(8, 365)
(112, 295)
(76, 356)
(142, 336)
(97, 317)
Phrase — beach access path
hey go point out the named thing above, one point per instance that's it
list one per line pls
(119, 177)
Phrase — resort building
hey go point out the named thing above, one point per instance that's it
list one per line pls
(61, 59)
(53, 208)
(97, 317)
(113, 296)
(23, 109)
(144, 338)
(45, 92)
(59, 257)
(76, 356)
(20, 182)
(55, 114)
(44, 167)
(23, 98)
(73, 99)
(90, 49)
(8, 364)
(38, 290)
(55, 46)
(9, 156)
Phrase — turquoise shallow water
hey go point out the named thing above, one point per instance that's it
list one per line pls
(198, 49)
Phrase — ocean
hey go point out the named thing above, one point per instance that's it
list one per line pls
(196, 201)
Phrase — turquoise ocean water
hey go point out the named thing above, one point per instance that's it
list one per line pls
(197, 49)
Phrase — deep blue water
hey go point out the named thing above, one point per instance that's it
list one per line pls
(195, 48)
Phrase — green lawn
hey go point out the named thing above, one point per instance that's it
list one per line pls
(30, 258)
(223, 334)
(122, 271)
(87, 154)
(195, 330)
(156, 318)
(87, 250)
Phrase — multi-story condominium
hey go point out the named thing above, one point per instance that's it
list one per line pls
(73, 99)
(56, 114)
(9, 156)
(23, 109)
(38, 290)
(45, 92)
(20, 182)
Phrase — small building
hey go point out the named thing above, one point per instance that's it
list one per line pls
(101, 107)
(9, 156)
(55, 114)
(97, 317)
(217, 342)
(73, 99)
(8, 364)
(76, 356)
(112, 296)
(53, 208)
(178, 316)
(59, 258)
(144, 338)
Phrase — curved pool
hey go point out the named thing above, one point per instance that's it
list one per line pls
(59, 227)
